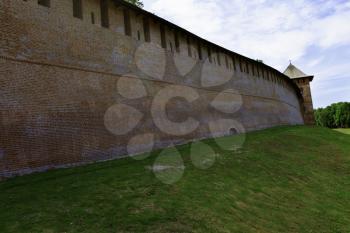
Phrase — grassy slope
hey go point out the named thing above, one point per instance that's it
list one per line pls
(347, 131)
(288, 179)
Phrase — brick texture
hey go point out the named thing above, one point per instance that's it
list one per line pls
(59, 75)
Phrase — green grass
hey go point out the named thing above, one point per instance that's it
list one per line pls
(286, 179)
(346, 131)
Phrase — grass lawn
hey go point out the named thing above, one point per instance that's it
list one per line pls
(347, 131)
(285, 179)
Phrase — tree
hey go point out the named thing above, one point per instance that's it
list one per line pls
(137, 3)
(334, 116)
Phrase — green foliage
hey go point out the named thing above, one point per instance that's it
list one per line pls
(137, 3)
(285, 179)
(334, 116)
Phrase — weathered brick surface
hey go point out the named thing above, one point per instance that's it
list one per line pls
(59, 74)
(307, 105)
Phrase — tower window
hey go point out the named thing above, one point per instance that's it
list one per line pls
(77, 9)
(127, 24)
(146, 29)
(162, 36)
(44, 3)
(104, 13)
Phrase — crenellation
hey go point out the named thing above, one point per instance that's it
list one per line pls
(134, 25)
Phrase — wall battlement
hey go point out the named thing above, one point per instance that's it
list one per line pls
(69, 70)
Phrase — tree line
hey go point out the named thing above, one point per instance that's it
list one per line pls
(334, 116)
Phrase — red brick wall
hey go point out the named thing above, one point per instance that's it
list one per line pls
(59, 75)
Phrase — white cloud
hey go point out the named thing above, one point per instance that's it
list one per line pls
(272, 30)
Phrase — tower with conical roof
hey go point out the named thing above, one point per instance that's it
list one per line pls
(303, 81)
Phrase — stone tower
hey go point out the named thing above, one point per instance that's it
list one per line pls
(303, 81)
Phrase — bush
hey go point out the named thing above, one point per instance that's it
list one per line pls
(334, 116)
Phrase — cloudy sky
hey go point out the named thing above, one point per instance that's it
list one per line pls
(314, 34)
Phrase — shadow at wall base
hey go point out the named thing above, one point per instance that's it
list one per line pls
(6, 174)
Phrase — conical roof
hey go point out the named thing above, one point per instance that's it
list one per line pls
(293, 72)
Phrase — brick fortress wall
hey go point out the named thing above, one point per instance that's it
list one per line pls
(63, 80)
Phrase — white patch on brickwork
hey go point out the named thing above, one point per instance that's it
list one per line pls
(184, 64)
(115, 55)
(140, 144)
(150, 58)
(120, 119)
(229, 101)
(130, 87)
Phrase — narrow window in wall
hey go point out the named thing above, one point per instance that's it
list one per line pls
(253, 69)
(104, 13)
(146, 29)
(226, 61)
(209, 54)
(218, 57)
(138, 35)
(247, 66)
(171, 46)
(189, 46)
(240, 65)
(44, 3)
(162, 36)
(127, 23)
(233, 63)
(200, 55)
(177, 43)
(77, 9)
(92, 18)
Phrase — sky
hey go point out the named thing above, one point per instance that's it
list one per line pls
(313, 34)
